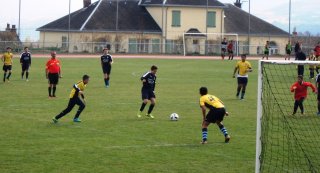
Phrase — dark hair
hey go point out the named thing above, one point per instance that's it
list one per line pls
(8, 47)
(203, 91)
(300, 77)
(85, 77)
(154, 67)
(243, 55)
(25, 48)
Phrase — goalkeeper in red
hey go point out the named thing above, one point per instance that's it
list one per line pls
(215, 115)
(300, 89)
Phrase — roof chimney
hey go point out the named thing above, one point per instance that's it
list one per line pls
(238, 3)
(8, 27)
(13, 29)
(86, 3)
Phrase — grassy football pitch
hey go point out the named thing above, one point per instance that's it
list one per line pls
(111, 139)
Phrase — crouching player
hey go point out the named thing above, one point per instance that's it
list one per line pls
(216, 114)
(75, 94)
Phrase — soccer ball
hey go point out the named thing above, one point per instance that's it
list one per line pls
(174, 117)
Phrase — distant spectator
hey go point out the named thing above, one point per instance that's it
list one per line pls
(266, 51)
(288, 51)
(301, 56)
(230, 50)
(297, 47)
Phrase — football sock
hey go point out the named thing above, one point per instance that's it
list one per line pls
(242, 94)
(108, 79)
(27, 75)
(295, 108)
(318, 107)
(49, 91)
(142, 106)
(238, 90)
(54, 91)
(105, 81)
(150, 108)
(223, 130)
(4, 77)
(9, 75)
(204, 134)
(22, 73)
(81, 107)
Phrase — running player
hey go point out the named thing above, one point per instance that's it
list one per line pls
(7, 64)
(25, 61)
(106, 61)
(288, 51)
(300, 89)
(242, 67)
(76, 93)
(215, 115)
(147, 91)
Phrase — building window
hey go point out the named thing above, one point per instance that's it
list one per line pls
(211, 19)
(64, 42)
(143, 45)
(176, 19)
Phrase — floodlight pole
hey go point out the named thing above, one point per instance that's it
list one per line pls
(19, 19)
(289, 35)
(249, 28)
(69, 23)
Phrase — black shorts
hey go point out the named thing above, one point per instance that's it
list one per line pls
(147, 94)
(7, 67)
(25, 67)
(230, 51)
(106, 70)
(223, 50)
(288, 52)
(242, 80)
(53, 78)
(266, 52)
(215, 114)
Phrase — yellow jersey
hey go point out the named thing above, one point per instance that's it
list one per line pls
(242, 68)
(211, 101)
(7, 58)
(79, 86)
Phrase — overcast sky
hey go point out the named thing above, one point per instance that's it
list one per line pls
(36, 13)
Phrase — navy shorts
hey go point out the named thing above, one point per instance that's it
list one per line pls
(288, 52)
(53, 78)
(106, 70)
(6, 67)
(223, 50)
(215, 114)
(25, 67)
(242, 80)
(147, 94)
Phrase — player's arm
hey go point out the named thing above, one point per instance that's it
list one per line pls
(111, 60)
(21, 58)
(203, 110)
(312, 87)
(293, 87)
(249, 68)
(234, 71)
(60, 73)
(30, 60)
(2, 58)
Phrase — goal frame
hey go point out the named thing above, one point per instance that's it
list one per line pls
(211, 33)
(259, 102)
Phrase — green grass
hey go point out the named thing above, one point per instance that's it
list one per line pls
(111, 138)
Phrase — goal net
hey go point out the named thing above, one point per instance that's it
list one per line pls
(197, 43)
(286, 142)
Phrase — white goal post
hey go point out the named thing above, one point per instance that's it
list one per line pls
(274, 80)
(219, 38)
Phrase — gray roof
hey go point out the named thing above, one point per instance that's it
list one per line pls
(101, 16)
(192, 3)
(237, 21)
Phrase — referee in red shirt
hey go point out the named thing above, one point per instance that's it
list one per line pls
(53, 73)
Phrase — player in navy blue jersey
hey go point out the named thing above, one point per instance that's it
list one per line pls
(106, 61)
(25, 61)
(147, 91)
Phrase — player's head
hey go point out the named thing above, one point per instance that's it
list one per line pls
(9, 49)
(53, 54)
(85, 79)
(267, 42)
(224, 39)
(105, 50)
(300, 78)
(243, 57)
(154, 69)
(203, 91)
(26, 49)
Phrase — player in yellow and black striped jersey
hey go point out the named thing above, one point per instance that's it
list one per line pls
(216, 114)
(76, 93)
(7, 64)
(242, 67)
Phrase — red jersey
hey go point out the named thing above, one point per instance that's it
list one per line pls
(53, 66)
(230, 46)
(301, 90)
(317, 50)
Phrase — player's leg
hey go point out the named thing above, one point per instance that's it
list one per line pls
(239, 86)
(70, 106)
(10, 72)
(106, 79)
(318, 104)
(218, 118)
(27, 72)
(54, 84)
(311, 75)
(204, 131)
(300, 104)
(81, 108)
(232, 55)
(153, 102)
(54, 89)
(223, 131)
(4, 73)
(295, 107)
(244, 86)
(22, 70)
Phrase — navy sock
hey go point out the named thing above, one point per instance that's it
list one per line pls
(49, 91)
(242, 94)
(106, 81)
(142, 106)
(150, 108)
(27, 75)
(9, 75)
(223, 130)
(204, 134)
(54, 91)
